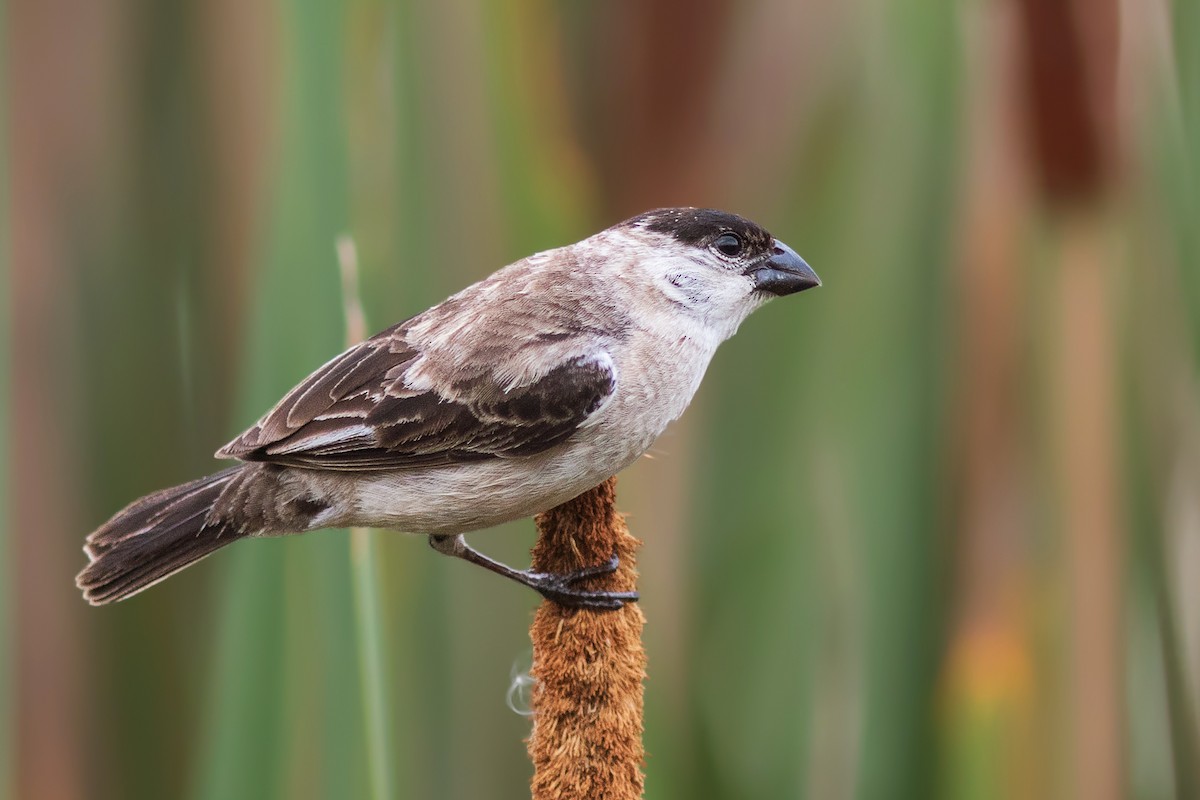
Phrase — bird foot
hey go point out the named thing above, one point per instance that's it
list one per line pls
(560, 587)
(554, 586)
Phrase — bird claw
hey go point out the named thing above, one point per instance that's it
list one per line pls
(556, 587)
(560, 587)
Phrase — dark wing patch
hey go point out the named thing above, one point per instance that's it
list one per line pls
(355, 413)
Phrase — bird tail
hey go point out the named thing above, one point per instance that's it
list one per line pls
(155, 537)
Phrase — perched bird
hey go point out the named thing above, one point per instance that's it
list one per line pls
(518, 393)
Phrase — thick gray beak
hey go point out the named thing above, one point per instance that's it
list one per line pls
(785, 272)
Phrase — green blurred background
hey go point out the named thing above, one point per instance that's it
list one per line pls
(930, 531)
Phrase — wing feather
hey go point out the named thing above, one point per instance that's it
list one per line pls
(358, 412)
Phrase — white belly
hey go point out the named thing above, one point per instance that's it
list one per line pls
(481, 494)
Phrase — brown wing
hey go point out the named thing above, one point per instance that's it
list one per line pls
(358, 413)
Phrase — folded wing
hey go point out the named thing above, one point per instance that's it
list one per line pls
(358, 412)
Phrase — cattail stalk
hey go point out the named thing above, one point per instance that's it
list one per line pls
(586, 742)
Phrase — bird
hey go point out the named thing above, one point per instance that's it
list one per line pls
(518, 393)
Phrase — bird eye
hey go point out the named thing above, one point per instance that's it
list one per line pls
(728, 244)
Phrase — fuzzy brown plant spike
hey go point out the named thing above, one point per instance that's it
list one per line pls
(586, 742)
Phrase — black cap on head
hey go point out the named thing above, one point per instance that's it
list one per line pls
(701, 226)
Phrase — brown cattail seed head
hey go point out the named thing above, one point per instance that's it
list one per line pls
(588, 665)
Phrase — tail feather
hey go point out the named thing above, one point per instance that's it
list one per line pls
(154, 538)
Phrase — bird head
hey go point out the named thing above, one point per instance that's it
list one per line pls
(713, 265)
